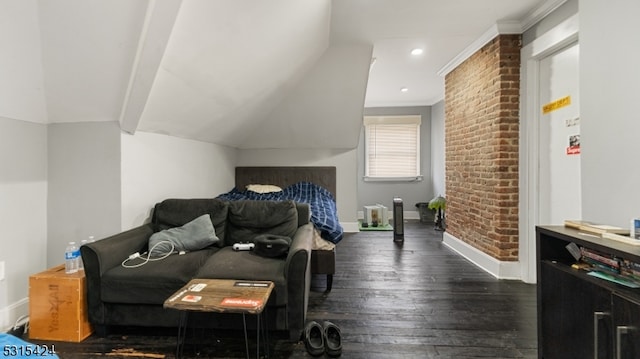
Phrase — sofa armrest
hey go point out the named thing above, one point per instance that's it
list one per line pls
(107, 253)
(298, 275)
(304, 213)
(301, 245)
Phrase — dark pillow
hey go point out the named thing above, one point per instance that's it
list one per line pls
(271, 245)
(193, 236)
(248, 219)
(175, 212)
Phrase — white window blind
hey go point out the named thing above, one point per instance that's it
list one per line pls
(392, 147)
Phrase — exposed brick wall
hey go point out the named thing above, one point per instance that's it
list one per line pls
(481, 140)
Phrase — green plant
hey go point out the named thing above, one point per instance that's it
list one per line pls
(438, 204)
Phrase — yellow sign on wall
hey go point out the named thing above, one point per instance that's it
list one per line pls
(557, 104)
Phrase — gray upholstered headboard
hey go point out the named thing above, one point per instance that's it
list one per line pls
(286, 176)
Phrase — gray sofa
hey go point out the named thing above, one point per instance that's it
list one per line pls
(119, 296)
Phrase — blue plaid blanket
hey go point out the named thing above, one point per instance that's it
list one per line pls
(324, 213)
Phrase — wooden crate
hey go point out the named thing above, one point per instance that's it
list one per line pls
(58, 306)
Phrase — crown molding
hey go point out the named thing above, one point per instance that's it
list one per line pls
(495, 30)
(502, 28)
(417, 103)
(539, 13)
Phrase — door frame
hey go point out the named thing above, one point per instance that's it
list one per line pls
(562, 35)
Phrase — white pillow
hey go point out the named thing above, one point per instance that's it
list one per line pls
(263, 188)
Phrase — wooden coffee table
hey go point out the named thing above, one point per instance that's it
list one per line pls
(222, 296)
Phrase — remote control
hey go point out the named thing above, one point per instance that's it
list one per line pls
(243, 246)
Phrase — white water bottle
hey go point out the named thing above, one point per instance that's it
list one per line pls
(80, 262)
(71, 258)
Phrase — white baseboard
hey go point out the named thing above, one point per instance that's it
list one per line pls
(498, 269)
(350, 227)
(353, 227)
(406, 214)
(411, 214)
(9, 315)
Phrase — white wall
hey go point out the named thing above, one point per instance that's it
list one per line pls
(84, 184)
(610, 120)
(23, 212)
(437, 149)
(156, 167)
(345, 162)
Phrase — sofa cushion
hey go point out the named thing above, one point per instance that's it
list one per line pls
(246, 265)
(193, 236)
(178, 212)
(248, 219)
(153, 282)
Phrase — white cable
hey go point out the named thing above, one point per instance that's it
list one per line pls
(25, 319)
(148, 258)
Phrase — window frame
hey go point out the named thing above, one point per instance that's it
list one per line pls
(409, 120)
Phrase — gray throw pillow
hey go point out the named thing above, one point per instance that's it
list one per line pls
(193, 236)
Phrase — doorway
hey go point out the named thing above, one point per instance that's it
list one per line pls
(549, 167)
(559, 137)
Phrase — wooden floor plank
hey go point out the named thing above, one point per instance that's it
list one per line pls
(417, 299)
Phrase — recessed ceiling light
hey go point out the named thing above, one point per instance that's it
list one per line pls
(404, 89)
(416, 52)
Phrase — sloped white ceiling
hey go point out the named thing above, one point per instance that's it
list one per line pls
(87, 50)
(22, 95)
(322, 111)
(228, 64)
(247, 74)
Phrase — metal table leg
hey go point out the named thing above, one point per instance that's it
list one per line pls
(182, 332)
(259, 331)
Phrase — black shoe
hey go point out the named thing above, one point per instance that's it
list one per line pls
(314, 338)
(332, 339)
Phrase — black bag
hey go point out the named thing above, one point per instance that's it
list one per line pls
(271, 245)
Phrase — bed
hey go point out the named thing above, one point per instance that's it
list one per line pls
(297, 183)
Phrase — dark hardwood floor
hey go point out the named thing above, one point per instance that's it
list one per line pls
(413, 300)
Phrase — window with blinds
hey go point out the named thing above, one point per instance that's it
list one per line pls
(392, 147)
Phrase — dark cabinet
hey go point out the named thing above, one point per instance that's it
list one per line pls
(580, 316)
(574, 314)
(626, 319)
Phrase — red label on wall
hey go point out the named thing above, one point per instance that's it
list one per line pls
(573, 150)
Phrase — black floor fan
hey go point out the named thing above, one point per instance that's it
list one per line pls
(398, 220)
